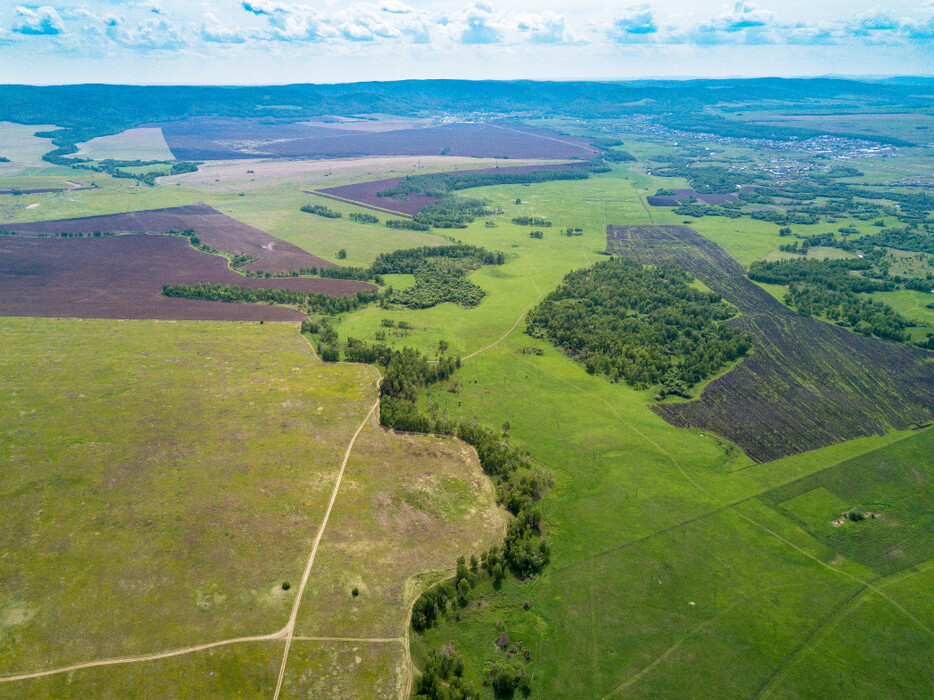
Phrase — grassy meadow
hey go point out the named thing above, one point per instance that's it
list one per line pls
(201, 456)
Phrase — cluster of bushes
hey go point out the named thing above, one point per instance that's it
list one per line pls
(645, 326)
(321, 210)
(531, 221)
(834, 275)
(441, 273)
(361, 218)
(443, 677)
(613, 156)
(409, 260)
(452, 212)
(536, 234)
(913, 240)
(436, 283)
(862, 315)
(407, 225)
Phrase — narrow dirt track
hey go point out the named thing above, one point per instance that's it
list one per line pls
(146, 657)
(290, 625)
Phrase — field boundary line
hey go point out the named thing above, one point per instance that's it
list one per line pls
(290, 625)
(344, 200)
(273, 636)
(802, 650)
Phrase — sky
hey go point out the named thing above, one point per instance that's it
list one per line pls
(295, 41)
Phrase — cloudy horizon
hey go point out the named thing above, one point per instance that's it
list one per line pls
(272, 41)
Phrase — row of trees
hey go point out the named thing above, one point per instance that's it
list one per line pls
(441, 184)
(321, 210)
(313, 302)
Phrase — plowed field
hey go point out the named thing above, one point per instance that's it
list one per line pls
(122, 277)
(216, 138)
(807, 384)
(217, 230)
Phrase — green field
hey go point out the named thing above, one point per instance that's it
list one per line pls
(165, 480)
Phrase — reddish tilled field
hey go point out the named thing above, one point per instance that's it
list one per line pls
(122, 277)
(366, 193)
(217, 230)
(807, 383)
(224, 138)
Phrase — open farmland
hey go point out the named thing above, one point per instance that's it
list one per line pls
(807, 383)
(164, 480)
(21, 146)
(367, 193)
(211, 138)
(213, 228)
(172, 501)
(258, 173)
(122, 277)
(132, 144)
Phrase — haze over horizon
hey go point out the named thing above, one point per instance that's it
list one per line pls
(274, 42)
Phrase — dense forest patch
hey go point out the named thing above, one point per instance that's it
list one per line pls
(642, 325)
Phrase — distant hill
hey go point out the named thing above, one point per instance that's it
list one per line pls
(86, 111)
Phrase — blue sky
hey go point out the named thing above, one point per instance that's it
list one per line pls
(283, 41)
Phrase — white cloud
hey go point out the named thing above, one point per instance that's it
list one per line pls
(214, 31)
(636, 21)
(481, 26)
(154, 34)
(745, 15)
(38, 21)
(544, 28)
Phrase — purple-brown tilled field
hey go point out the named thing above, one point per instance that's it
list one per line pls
(217, 230)
(122, 277)
(221, 138)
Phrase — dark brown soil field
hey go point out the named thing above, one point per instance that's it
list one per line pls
(122, 277)
(365, 193)
(216, 138)
(807, 384)
(217, 230)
